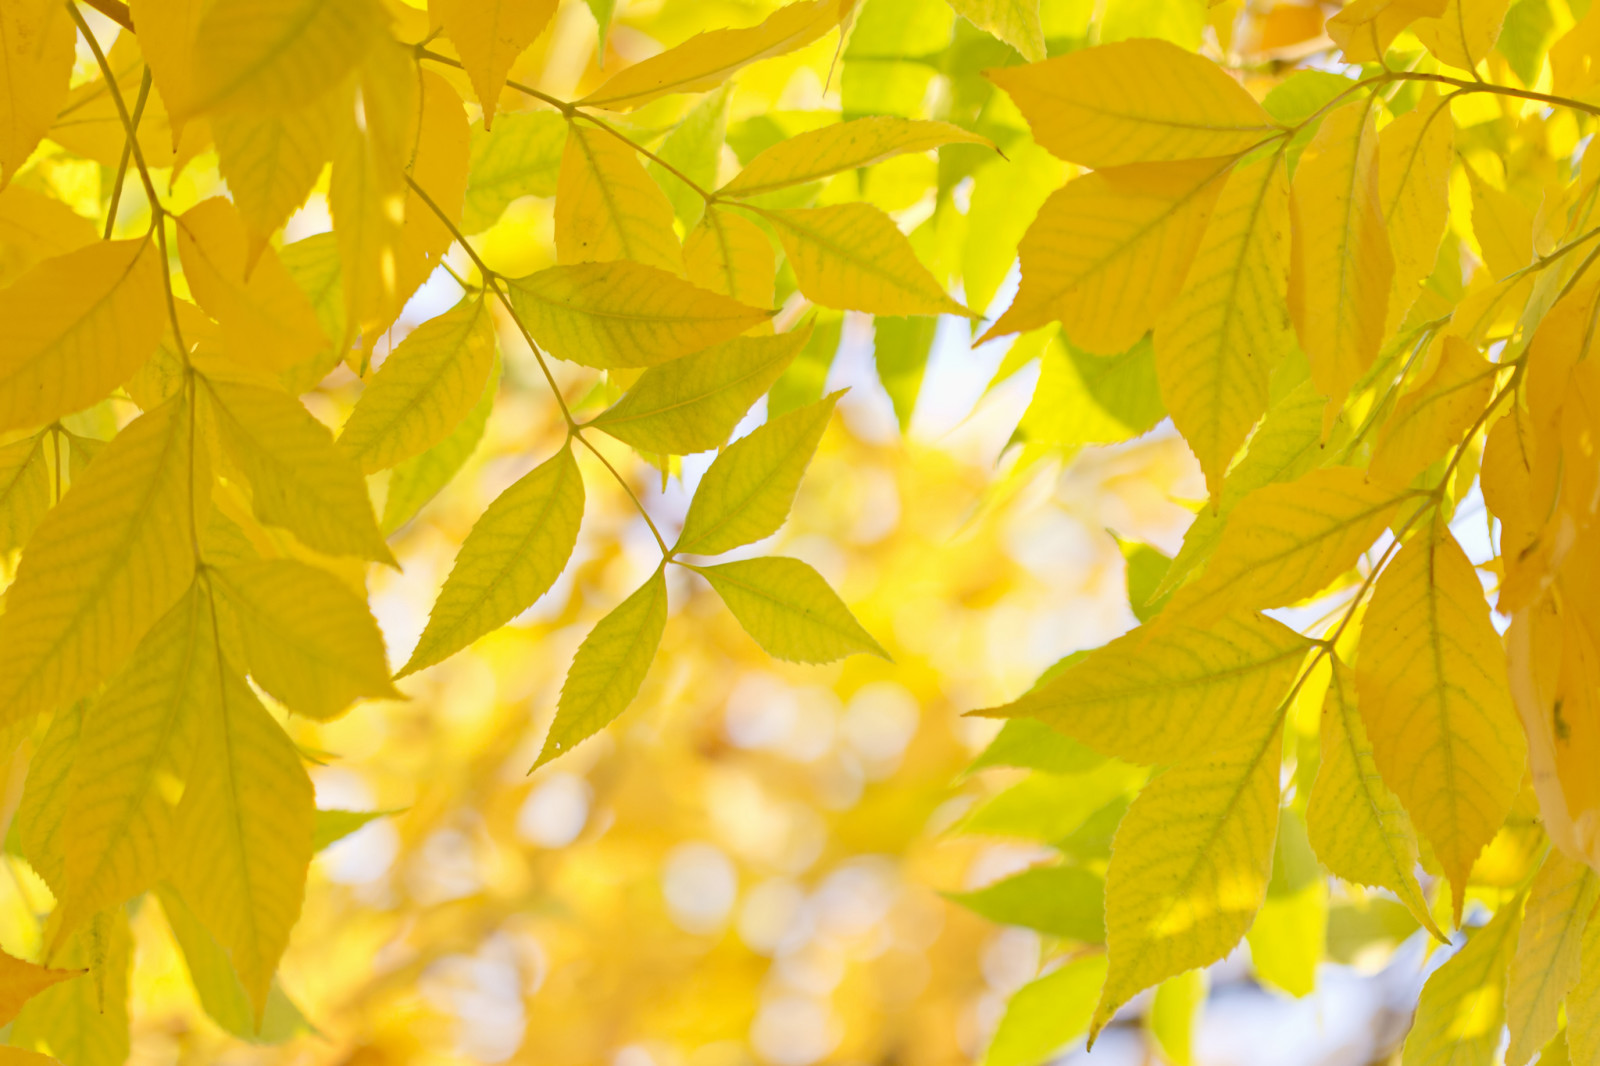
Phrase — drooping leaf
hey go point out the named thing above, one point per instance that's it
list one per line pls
(36, 52)
(489, 37)
(624, 314)
(75, 327)
(1464, 32)
(1139, 101)
(307, 639)
(271, 55)
(694, 403)
(513, 555)
(1047, 1014)
(1463, 1005)
(609, 667)
(789, 609)
(20, 981)
(1547, 962)
(747, 492)
(85, 1022)
(1174, 1014)
(1413, 191)
(1169, 691)
(271, 159)
(693, 150)
(1431, 679)
(104, 564)
(1435, 414)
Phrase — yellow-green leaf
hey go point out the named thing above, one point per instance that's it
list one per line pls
(271, 55)
(608, 207)
(1189, 867)
(1431, 676)
(1356, 825)
(1414, 154)
(1175, 1013)
(299, 480)
(489, 35)
(417, 480)
(1463, 1006)
(789, 609)
(514, 553)
(853, 257)
(1138, 101)
(243, 834)
(693, 404)
(624, 314)
(1341, 265)
(1503, 225)
(522, 157)
(104, 564)
(272, 159)
(24, 490)
(1217, 343)
(1015, 22)
(37, 45)
(138, 742)
(747, 492)
(20, 981)
(1549, 949)
(1287, 542)
(1047, 1014)
(267, 321)
(1464, 32)
(609, 668)
(1583, 1002)
(424, 388)
(844, 146)
(1364, 29)
(75, 327)
(728, 254)
(85, 1022)
(1108, 252)
(1433, 416)
(705, 60)
(45, 796)
(308, 640)
(1169, 691)
(438, 158)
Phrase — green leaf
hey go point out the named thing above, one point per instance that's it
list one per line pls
(413, 483)
(789, 609)
(694, 403)
(521, 157)
(513, 555)
(333, 826)
(1090, 399)
(1461, 1013)
(900, 351)
(425, 387)
(1060, 900)
(1173, 1013)
(1047, 1014)
(747, 492)
(694, 148)
(308, 640)
(1031, 745)
(602, 11)
(1050, 807)
(609, 668)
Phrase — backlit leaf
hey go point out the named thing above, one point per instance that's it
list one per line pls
(1413, 191)
(419, 479)
(1063, 901)
(1435, 414)
(522, 157)
(844, 146)
(36, 51)
(35, 227)
(1561, 901)
(789, 609)
(1463, 1006)
(1015, 22)
(728, 254)
(273, 55)
(1364, 29)
(24, 490)
(1047, 1014)
(608, 207)
(1464, 32)
(489, 37)
(20, 981)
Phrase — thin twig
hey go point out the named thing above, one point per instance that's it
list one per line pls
(127, 152)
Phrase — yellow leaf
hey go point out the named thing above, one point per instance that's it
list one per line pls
(1583, 1002)
(514, 553)
(1138, 101)
(843, 146)
(1108, 252)
(104, 564)
(747, 492)
(609, 668)
(90, 125)
(15, 1056)
(1414, 153)
(299, 480)
(1434, 415)
(85, 1022)
(1189, 866)
(20, 981)
(417, 480)
(438, 163)
(37, 45)
(308, 640)
(854, 258)
(273, 55)
(728, 254)
(271, 160)
(608, 207)
(1502, 225)
(138, 742)
(267, 322)
(522, 157)
(489, 35)
(706, 60)
(1356, 825)
(44, 797)
(1169, 691)
(1287, 542)
(1464, 32)
(789, 609)
(424, 388)
(1547, 961)
(693, 404)
(243, 834)
(24, 490)
(1431, 676)
(1015, 22)
(624, 314)
(1217, 343)
(1341, 267)
(75, 327)
(1365, 28)
(1463, 1006)
(167, 32)
(35, 227)
(1175, 1011)
(1573, 66)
